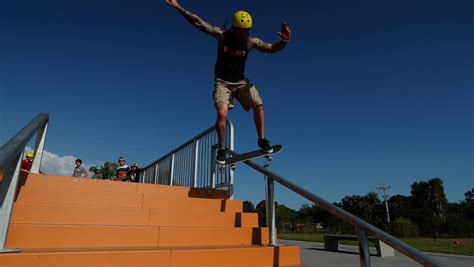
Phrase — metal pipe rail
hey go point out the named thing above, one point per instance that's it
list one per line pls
(364, 229)
(192, 164)
(11, 155)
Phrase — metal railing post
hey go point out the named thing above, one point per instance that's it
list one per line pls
(171, 169)
(7, 206)
(39, 148)
(213, 166)
(231, 147)
(195, 165)
(270, 208)
(156, 174)
(267, 207)
(364, 253)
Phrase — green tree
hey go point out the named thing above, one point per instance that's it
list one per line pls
(469, 205)
(429, 204)
(261, 210)
(368, 207)
(249, 207)
(109, 170)
(469, 195)
(399, 207)
(457, 219)
(313, 214)
(284, 216)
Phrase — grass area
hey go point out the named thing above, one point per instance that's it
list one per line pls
(445, 245)
(465, 246)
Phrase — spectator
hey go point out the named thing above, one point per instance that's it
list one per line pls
(26, 163)
(97, 173)
(134, 173)
(79, 171)
(122, 170)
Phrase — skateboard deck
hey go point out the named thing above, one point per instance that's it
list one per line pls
(251, 155)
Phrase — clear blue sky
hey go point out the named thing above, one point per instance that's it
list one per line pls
(366, 93)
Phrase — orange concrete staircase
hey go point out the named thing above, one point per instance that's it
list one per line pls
(65, 221)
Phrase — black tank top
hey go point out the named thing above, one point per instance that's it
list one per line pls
(231, 58)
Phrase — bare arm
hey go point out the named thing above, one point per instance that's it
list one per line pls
(196, 21)
(262, 46)
(285, 35)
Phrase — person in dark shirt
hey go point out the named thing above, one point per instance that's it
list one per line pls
(134, 173)
(234, 46)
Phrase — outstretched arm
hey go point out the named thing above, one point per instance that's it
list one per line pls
(197, 21)
(285, 36)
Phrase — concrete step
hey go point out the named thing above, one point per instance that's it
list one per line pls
(74, 183)
(41, 195)
(83, 236)
(68, 214)
(166, 257)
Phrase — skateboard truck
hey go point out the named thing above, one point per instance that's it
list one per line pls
(234, 159)
(269, 158)
(251, 155)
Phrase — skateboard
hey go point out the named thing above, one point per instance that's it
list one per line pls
(251, 155)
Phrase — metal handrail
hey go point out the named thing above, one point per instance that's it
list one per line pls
(10, 162)
(363, 227)
(192, 163)
(16, 144)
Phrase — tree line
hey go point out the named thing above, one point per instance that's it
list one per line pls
(425, 212)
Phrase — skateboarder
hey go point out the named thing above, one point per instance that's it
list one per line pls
(230, 81)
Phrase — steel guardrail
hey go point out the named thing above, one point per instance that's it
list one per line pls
(10, 162)
(18, 142)
(363, 228)
(192, 163)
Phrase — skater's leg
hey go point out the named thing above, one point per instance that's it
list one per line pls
(258, 118)
(221, 124)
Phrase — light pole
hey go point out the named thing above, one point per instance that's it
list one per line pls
(385, 196)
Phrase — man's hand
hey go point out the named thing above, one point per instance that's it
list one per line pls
(173, 3)
(284, 33)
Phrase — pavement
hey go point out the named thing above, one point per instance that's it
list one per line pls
(313, 254)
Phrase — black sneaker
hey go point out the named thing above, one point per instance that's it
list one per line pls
(221, 156)
(264, 144)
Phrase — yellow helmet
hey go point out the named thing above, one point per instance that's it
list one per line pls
(29, 154)
(242, 19)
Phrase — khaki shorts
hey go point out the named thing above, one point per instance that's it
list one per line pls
(245, 92)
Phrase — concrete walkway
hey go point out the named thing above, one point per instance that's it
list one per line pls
(313, 254)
